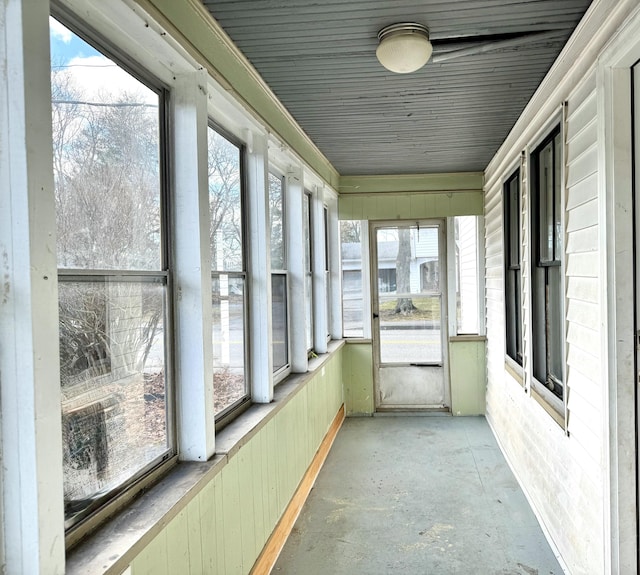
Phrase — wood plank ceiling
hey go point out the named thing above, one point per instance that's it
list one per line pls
(318, 56)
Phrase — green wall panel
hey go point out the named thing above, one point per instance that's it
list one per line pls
(400, 206)
(223, 529)
(357, 373)
(467, 361)
(446, 182)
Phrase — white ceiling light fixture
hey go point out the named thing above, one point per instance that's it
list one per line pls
(404, 47)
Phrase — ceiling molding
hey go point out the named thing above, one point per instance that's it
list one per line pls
(447, 182)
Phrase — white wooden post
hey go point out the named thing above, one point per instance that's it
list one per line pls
(335, 267)
(33, 510)
(192, 280)
(260, 270)
(320, 311)
(297, 272)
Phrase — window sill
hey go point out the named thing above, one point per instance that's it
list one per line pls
(550, 405)
(514, 369)
(111, 548)
(467, 337)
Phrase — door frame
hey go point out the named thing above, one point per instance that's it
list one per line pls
(618, 263)
(443, 238)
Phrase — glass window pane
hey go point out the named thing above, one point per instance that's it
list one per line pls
(518, 316)
(276, 220)
(280, 344)
(306, 230)
(114, 394)
(326, 238)
(514, 222)
(352, 309)
(228, 314)
(545, 202)
(409, 307)
(308, 282)
(225, 203)
(327, 274)
(308, 288)
(352, 320)
(352, 302)
(467, 288)
(557, 182)
(554, 331)
(106, 162)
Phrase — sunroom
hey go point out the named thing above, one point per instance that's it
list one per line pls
(227, 226)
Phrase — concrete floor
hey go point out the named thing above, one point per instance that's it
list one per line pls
(416, 495)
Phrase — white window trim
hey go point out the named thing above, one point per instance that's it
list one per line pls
(259, 270)
(33, 510)
(452, 272)
(555, 407)
(294, 194)
(192, 269)
(335, 266)
(517, 370)
(288, 221)
(320, 311)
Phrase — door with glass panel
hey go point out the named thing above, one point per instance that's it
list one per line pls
(409, 316)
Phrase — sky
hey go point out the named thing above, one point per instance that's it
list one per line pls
(98, 77)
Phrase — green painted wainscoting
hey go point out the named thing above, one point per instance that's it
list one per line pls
(223, 528)
(467, 370)
(357, 374)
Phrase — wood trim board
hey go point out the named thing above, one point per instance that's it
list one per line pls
(274, 545)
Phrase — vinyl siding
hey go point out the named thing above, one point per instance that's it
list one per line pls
(561, 473)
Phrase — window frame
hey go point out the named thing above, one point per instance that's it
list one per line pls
(454, 279)
(307, 198)
(233, 410)
(327, 269)
(118, 497)
(540, 272)
(283, 371)
(365, 292)
(514, 342)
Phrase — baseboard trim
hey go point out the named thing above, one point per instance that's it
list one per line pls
(269, 555)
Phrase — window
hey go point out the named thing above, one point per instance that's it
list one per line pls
(327, 271)
(307, 230)
(279, 288)
(352, 293)
(546, 273)
(109, 144)
(512, 272)
(467, 276)
(228, 273)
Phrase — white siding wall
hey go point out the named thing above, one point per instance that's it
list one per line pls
(562, 474)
